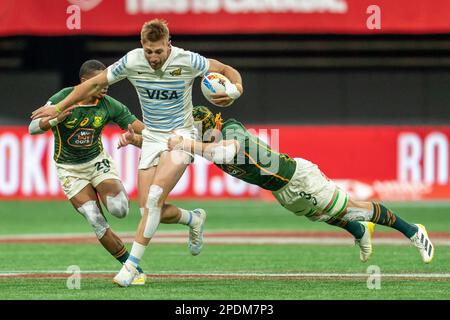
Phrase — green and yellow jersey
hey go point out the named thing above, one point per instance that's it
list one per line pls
(256, 162)
(78, 137)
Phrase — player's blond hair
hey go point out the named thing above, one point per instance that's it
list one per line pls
(155, 30)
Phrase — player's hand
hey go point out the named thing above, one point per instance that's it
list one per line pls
(232, 92)
(222, 99)
(44, 111)
(126, 138)
(175, 142)
(64, 114)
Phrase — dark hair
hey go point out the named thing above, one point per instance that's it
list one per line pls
(90, 66)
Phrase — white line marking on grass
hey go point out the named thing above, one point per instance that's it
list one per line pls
(235, 274)
(180, 237)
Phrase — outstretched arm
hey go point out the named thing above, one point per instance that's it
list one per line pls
(41, 125)
(221, 152)
(82, 91)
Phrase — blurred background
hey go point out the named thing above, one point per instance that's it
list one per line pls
(358, 87)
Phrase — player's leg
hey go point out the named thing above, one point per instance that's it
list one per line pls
(310, 193)
(114, 197)
(154, 185)
(379, 214)
(361, 230)
(86, 203)
(76, 186)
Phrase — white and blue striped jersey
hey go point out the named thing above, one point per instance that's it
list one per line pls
(165, 95)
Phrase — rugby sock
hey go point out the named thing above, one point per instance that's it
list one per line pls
(137, 251)
(122, 257)
(384, 216)
(354, 227)
(188, 218)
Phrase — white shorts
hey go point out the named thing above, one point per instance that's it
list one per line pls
(309, 192)
(155, 142)
(74, 177)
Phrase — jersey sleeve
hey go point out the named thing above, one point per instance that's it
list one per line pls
(199, 65)
(118, 70)
(119, 113)
(59, 96)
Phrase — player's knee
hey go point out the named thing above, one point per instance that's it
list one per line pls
(118, 205)
(154, 195)
(357, 214)
(92, 213)
(154, 212)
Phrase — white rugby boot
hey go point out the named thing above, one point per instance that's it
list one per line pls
(365, 243)
(196, 232)
(126, 275)
(139, 280)
(421, 240)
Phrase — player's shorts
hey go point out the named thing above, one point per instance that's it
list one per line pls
(74, 177)
(155, 142)
(309, 192)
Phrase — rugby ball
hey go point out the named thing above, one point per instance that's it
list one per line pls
(213, 82)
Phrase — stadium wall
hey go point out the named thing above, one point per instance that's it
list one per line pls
(370, 162)
(281, 96)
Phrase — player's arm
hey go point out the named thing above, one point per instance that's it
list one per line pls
(221, 152)
(80, 92)
(234, 91)
(42, 125)
(132, 136)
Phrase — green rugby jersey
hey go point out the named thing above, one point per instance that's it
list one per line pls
(78, 137)
(256, 162)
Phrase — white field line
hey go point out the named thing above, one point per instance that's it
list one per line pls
(180, 237)
(287, 240)
(445, 276)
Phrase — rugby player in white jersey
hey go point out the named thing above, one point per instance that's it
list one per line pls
(162, 76)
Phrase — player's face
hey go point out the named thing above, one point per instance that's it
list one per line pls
(104, 91)
(156, 52)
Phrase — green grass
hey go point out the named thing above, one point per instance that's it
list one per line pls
(160, 259)
(172, 259)
(60, 217)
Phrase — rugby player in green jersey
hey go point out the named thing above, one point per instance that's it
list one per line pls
(86, 171)
(297, 184)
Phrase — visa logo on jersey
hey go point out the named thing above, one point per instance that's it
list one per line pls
(162, 94)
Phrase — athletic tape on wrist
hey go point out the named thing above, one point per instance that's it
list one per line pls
(53, 122)
(232, 91)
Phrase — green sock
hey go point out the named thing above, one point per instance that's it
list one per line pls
(122, 257)
(354, 227)
(384, 216)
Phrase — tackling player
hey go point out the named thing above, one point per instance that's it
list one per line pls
(297, 184)
(162, 75)
(85, 170)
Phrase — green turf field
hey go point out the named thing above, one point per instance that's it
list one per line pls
(221, 271)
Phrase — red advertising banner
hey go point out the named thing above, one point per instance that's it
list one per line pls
(371, 162)
(125, 17)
